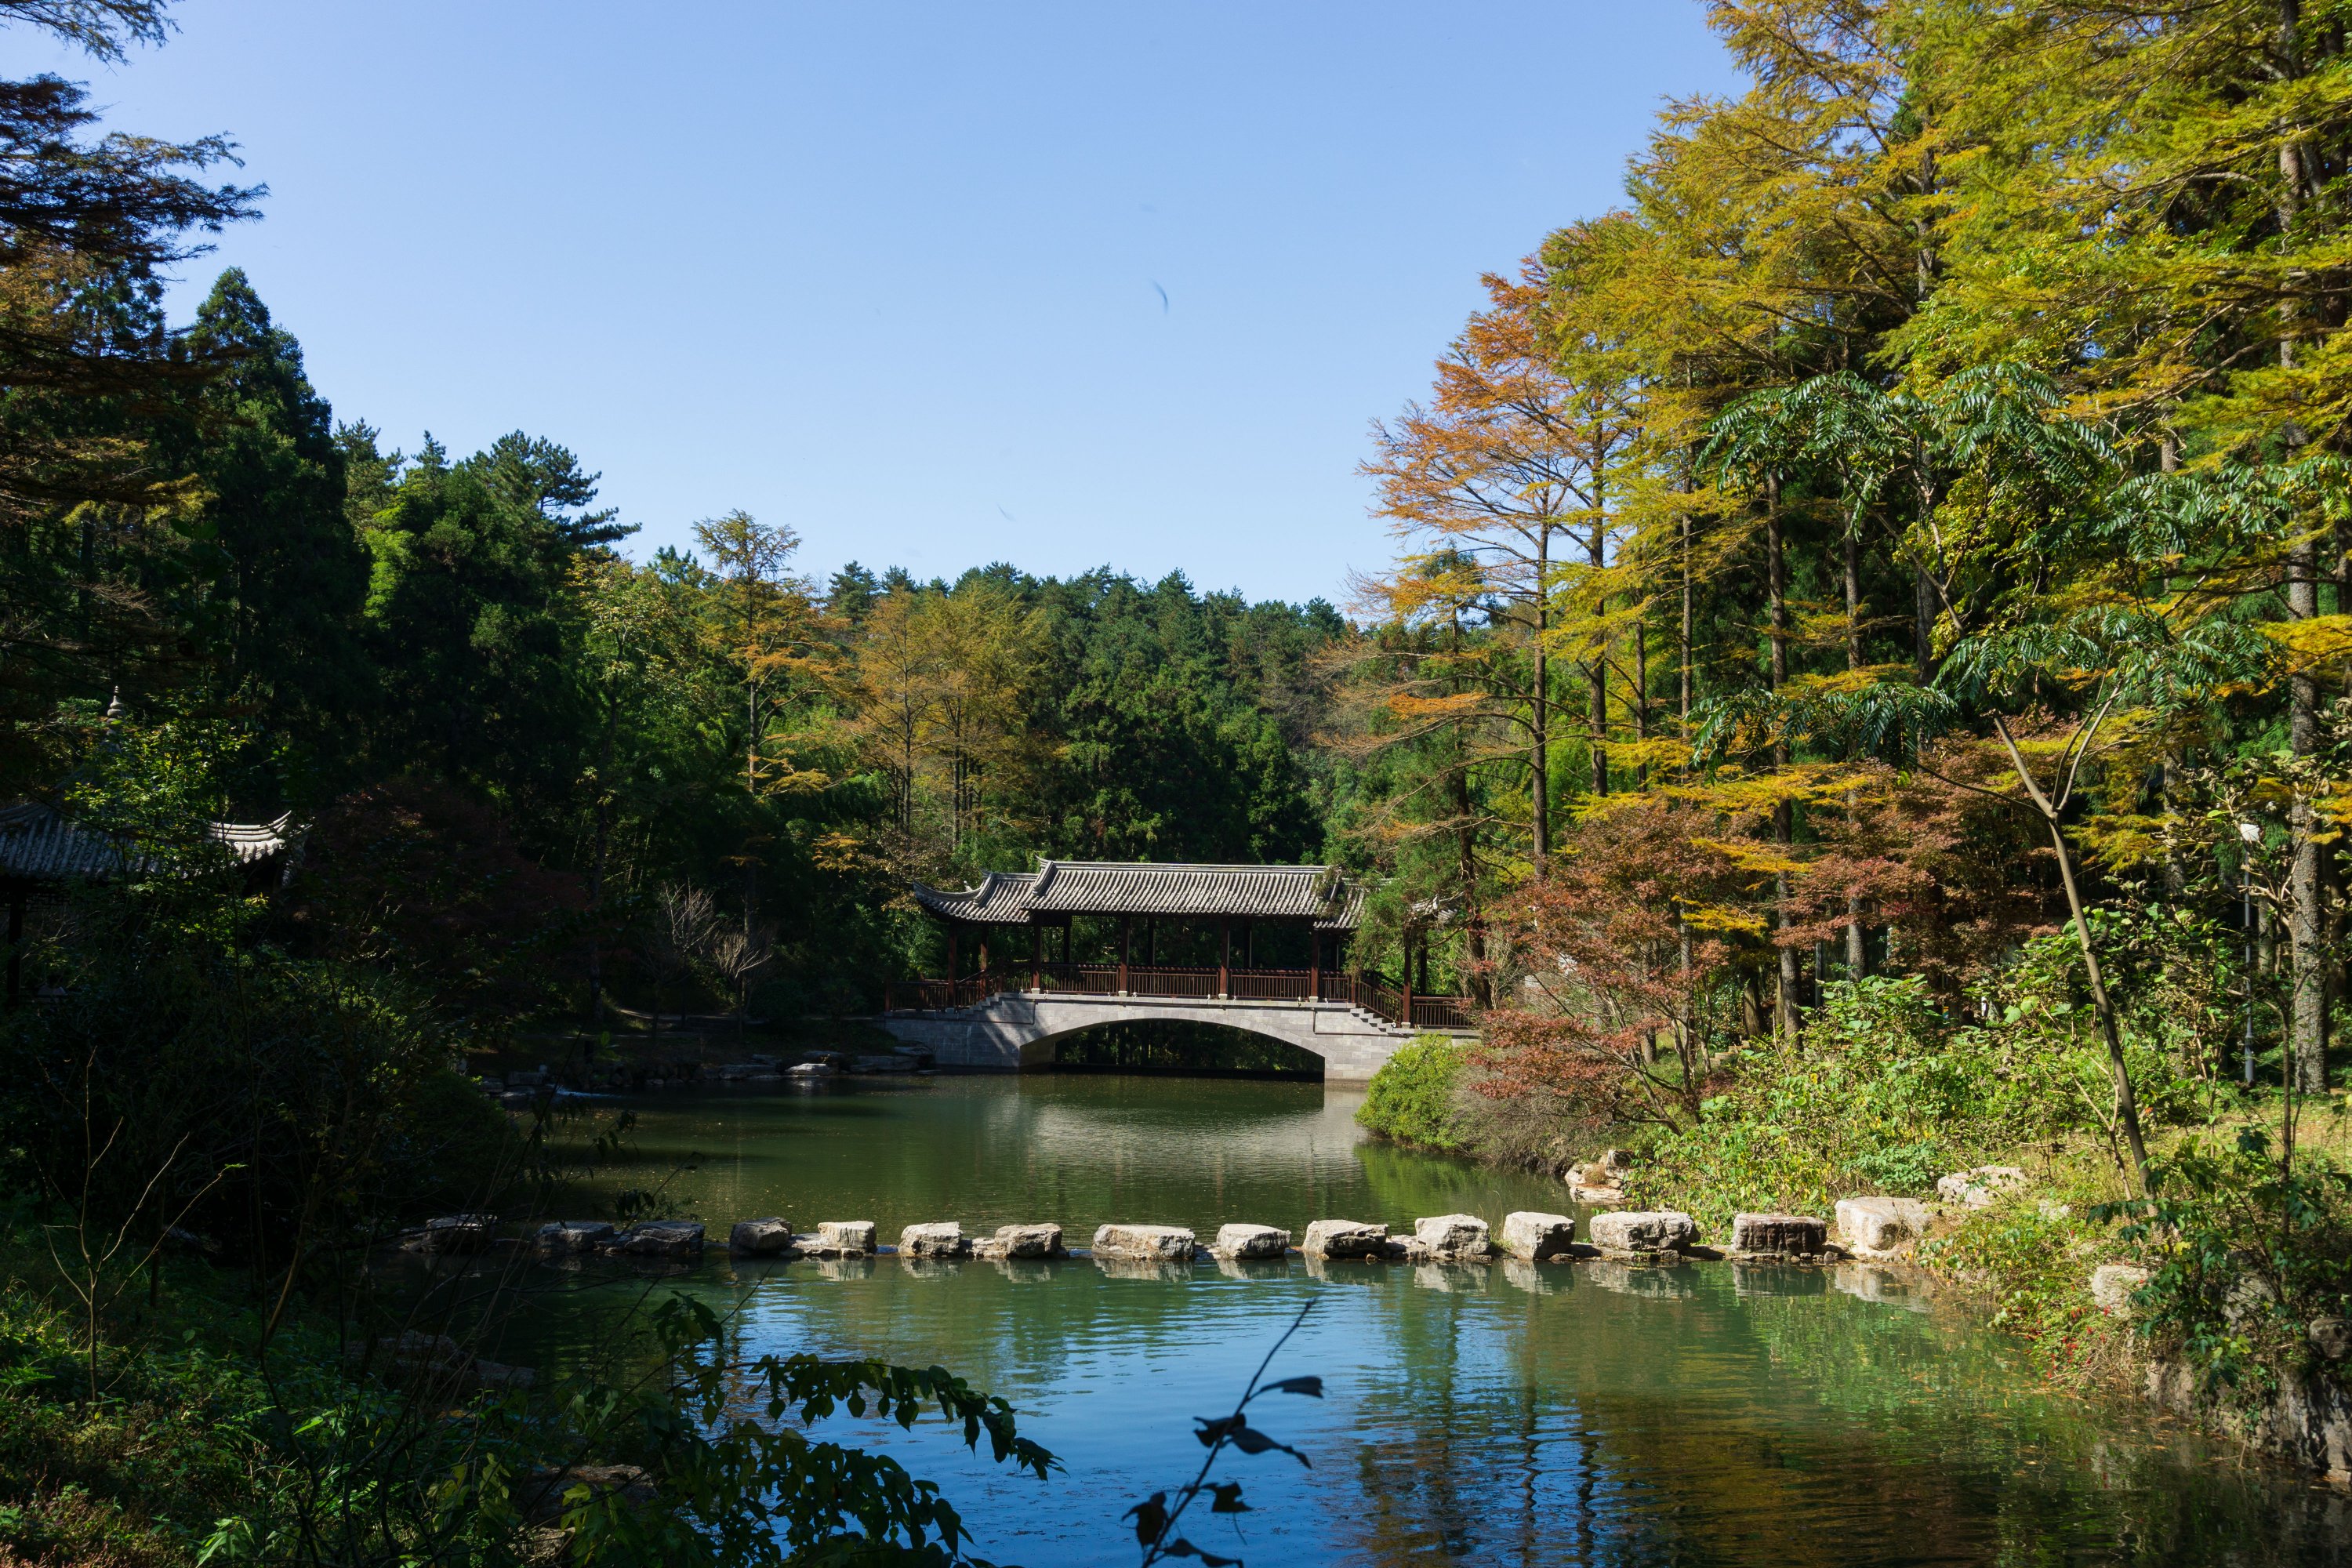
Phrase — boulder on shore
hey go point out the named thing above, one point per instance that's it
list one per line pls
(1978, 1187)
(941, 1238)
(1450, 1238)
(1793, 1234)
(455, 1233)
(1642, 1231)
(1144, 1243)
(1535, 1237)
(1250, 1241)
(760, 1237)
(566, 1237)
(1021, 1241)
(664, 1239)
(2112, 1285)
(1345, 1238)
(1882, 1227)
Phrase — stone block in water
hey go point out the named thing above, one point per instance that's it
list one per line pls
(667, 1238)
(1642, 1230)
(1450, 1238)
(1163, 1243)
(1532, 1236)
(567, 1236)
(1795, 1234)
(760, 1237)
(942, 1238)
(839, 1238)
(1881, 1227)
(1021, 1241)
(1345, 1238)
(1250, 1241)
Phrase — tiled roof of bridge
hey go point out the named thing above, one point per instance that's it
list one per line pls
(1001, 899)
(1317, 893)
(38, 844)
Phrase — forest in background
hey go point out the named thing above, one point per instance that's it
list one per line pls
(1859, 693)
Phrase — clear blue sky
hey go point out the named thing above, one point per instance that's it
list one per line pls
(894, 274)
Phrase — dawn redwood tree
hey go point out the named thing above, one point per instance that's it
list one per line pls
(1489, 486)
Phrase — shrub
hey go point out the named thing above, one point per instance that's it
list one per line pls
(2249, 1250)
(1412, 1098)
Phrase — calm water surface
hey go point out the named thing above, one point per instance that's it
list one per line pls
(1581, 1414)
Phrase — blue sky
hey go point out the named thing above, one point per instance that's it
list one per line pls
(936, 284)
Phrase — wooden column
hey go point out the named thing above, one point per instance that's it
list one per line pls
(1407, 1019)
(1313, 964)
(1037, 957)
(952, 953)
(1125, 942)
(1226, 962)
(983, 951)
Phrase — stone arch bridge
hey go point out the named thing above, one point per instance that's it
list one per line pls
(1012, 1030)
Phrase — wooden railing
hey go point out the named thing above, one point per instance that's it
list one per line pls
(930, 995)
(1369, 992)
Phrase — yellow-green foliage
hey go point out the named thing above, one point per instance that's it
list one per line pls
(1412, 1098)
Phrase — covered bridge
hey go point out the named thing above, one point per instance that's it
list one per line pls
(1172, 931)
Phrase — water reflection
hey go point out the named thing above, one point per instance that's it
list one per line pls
(1586, 1413)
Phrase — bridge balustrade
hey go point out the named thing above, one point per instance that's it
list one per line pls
(1368, 992)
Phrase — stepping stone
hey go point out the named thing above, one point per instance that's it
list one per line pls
(1642, 1231)
(1165, 1243)
(1345, 1238)
(1250, 1241)
(1535, 1237)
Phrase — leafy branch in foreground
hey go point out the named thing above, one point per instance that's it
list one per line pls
(745, 1487)
(1155, 1520)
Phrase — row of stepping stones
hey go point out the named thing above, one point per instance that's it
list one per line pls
(1868, 1228)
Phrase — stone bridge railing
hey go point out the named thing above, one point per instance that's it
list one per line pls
(1400, 1005)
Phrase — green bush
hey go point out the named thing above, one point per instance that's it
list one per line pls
(1883, 1094)
(2249, 1250)
(1412, 1098)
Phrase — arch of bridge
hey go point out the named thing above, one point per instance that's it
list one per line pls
(1016, 1030)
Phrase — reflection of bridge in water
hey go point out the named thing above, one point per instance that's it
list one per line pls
(1009, 1017)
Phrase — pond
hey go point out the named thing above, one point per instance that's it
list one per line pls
(1583, 1412)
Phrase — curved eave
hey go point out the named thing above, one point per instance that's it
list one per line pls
(1000, 899)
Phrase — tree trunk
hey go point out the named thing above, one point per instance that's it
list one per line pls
(1683, 652)
(603, 837)
(1857, 946)
(2307, 914)
(1538, 731)
(1784, 1002)
(2307, 952)
(1596, 549)
(2118, 1068)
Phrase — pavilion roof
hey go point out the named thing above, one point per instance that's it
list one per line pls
(40, 843)
(1061, 887)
